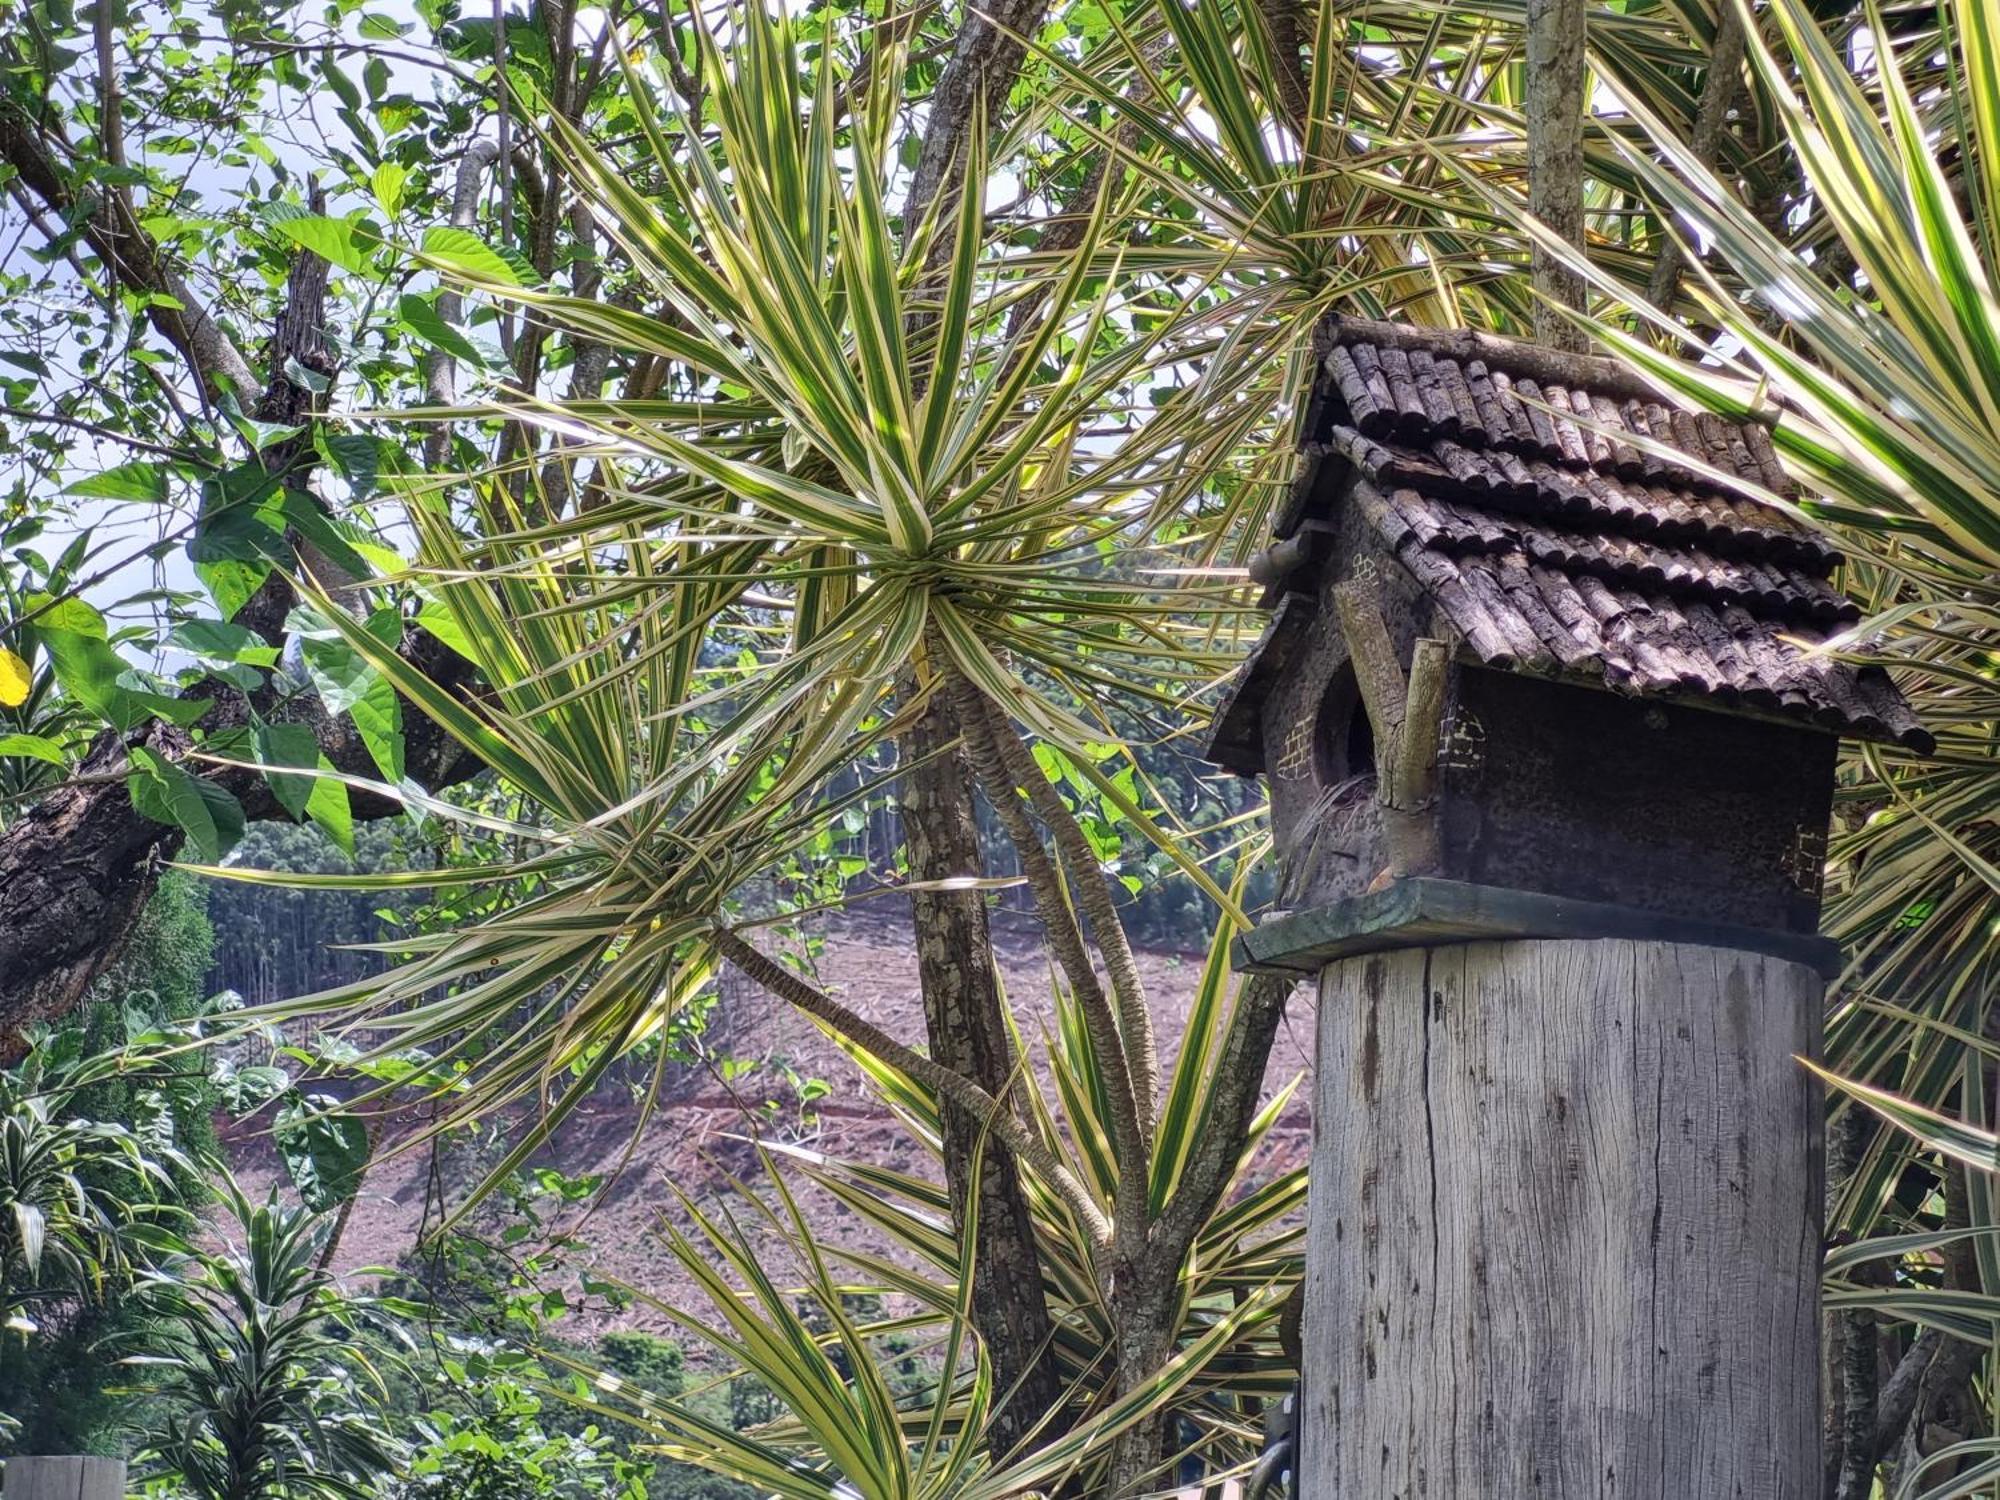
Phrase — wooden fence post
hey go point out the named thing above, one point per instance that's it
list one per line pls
(39, 1477)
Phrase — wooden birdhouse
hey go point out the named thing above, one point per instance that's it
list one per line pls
(1551, 760)
(1591, 653)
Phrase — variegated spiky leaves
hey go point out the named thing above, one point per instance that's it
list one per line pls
(913, 432)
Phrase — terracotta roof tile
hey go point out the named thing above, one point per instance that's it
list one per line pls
(1580, 526)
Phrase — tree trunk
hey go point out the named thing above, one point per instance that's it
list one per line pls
(968, 1034)
(1556, 107)
(1565, 1225)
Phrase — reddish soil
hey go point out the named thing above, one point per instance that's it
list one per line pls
(701, 1132)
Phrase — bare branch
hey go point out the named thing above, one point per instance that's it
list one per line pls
(1556, 106)
(1065, 938)
(1720, 85)
(1093, 894)
(440, 370)
(960, 1090)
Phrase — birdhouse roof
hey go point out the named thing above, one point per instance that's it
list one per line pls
(1565, 520)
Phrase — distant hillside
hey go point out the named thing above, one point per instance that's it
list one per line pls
(700, 1131)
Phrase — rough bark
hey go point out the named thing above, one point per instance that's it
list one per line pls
(1720, 85)
(984, 61)
(77, 867)
(1554, 89)
(1565, 1225)
(968, 1034)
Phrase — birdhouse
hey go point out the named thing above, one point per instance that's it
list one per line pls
(1531, 649)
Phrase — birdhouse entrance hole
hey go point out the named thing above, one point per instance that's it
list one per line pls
(1344, 741)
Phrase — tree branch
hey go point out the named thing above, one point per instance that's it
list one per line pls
(130, 255)
(1720, 85)
(440, 370)
(1093, 894)
(1065, 938)
(1556, 107)
(960, 1090)
(1218, 1149)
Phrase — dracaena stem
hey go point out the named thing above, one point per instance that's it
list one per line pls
(1006, 1126)
(1065, 938)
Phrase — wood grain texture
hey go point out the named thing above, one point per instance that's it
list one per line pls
(33, 1478)
(1565, 1225)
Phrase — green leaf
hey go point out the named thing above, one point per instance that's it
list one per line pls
(342, 242)
(387, 184)
(422, 319)
(72, 615)
(218, 640)
(133, 481)
(289, 745)
(92, 672)
(348, 685)
(325, 1152)
(166, 793)
(32, 747)
(330, 810)
(231, 583)
(357, 457)
(463, 253)
(248, 1088)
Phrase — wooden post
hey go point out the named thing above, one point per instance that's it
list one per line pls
(43, 1478)
(1565, 1224)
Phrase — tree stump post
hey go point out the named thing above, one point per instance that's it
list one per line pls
(38, 1477)
(1565, 1224)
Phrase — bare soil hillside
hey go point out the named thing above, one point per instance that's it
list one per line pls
(702, 1130)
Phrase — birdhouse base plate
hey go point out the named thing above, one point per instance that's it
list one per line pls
(1422, 912)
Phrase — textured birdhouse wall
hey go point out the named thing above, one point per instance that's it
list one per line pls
(1318, 747)
(1661, 806)
(1544, 786)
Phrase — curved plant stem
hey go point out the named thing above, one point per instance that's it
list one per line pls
(967, 1095)
(1093, 894)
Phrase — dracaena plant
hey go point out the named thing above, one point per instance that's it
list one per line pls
(1875, 359)
(1242, 1253)
(908, 478)
(254, 1354)
(82, 1202)
(844, 1433)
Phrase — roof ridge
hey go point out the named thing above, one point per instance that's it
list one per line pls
(1536, 362)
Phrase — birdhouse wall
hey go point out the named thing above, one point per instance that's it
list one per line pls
(1318, 745)
(1571, 791)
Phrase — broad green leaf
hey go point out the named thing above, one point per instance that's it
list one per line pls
(218, 640)
(325, 1152)
(348, 685)
(132, 481)
(290, 745)
(32, 747)
(424, 320)
(341, 242)
(166, 793)
(463, 253)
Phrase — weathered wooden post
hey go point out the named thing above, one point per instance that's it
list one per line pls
(1551, 771)
(44, 1478)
